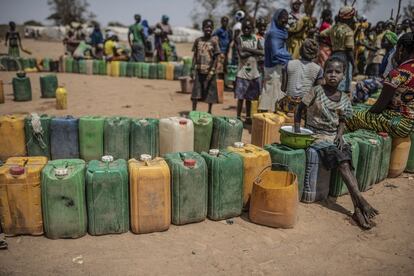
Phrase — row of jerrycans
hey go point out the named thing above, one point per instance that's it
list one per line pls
(182, 188)
(91, 137)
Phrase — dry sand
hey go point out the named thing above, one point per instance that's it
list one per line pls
(324, 242)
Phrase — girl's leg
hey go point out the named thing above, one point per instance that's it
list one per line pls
(363, 210)
(239, 108)
(194, 105)
(210, 107)
(248, 111)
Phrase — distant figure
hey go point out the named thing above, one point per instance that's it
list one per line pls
(294, 14)
(149, 39)
(375, 57)
(111, 49)
(206, 51)
(14, 41)
(239, 16)
(162, 31)
(389, 41)
(224, 35)
(83, 50)
(325, 45)
(137, 43)
(70, 42)
(97, 40)
(261, 25)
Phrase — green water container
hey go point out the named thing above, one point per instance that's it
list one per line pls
(385, 142)
(69, 65)
(178, 70)
(91, 137)
(63, 199)
(286, 158)
(95, 67)
(189, 185)
(32, 62)
(130, 69)
(82, 66)
(144, 138)
(37, 136)
(76, 67)
(153, 71)
(231, 74)
(203, 129)
(145, 70)
(116, 137)
(123, 68)
(337, 186)
(226, 131)
(22, 89)
(107, 196)
(161, 71)
(48, 86)
(410, 162)
(368, 161)
(225, 184)
(46, 64)
(187, 64)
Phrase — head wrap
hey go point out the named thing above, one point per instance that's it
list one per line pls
(391, 37)
(165, 17)
(309, 49)
(346, 12)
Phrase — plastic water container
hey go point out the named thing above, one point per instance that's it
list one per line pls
(145, 138)
(189, 183)
(225, 184)
(150, 194)
(61, 98)
(91, 137)
(410, 163)
(12, 136)
(107, 196)
(220, 91)
(64, 139)
(20, 205)
(203, 129)
(22, 89)
(265, 128)
(176, 135)
(37, 133)
(399, 156)
(274, 200)
(226, 132)
(48, 86)
(255, 160)
(89, 66)
(317, 178)
(116, 137)
(63, 199)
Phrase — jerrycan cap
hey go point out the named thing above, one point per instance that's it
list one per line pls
(183, 121)
(238, 145)
(373, 141)
(143, 121)
(60, 172)
(107, 158)
(383, 134)
(145, 157)
(214, 152)
(232, 121)
(16, 170)
(190, 163)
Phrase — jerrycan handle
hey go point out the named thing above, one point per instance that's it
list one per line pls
(146, 158)
(281, 166)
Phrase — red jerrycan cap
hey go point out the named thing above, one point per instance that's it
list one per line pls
(183, 121)
(16, 170)
(383, 134)
(189, 163)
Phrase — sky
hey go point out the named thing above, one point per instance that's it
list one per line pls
(123, 11)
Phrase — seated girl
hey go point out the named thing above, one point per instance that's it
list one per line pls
(394, 110)
(326, 111)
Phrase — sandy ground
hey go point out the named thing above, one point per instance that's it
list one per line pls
(324, 242)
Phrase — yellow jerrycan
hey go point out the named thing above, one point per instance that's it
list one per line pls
(265, 128)
(255, 160)
(20, 200)
(12, 138)
(400, 152)
(61, 98)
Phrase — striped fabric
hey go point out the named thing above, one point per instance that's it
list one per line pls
(388, 121)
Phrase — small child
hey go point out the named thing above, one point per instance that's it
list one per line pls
(327, 108)
(13, 38)
(261, 25)
(299, 76)
(248, 84)
(206, 50)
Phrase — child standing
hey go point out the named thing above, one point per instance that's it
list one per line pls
(224, 35)
(327, 108)
(13, 38)
(248, 83)
(206, 50)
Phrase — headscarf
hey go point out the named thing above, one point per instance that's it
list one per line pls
(391, 37)
(275, 42)
(309, 49)
(165, 18)
(347, 12)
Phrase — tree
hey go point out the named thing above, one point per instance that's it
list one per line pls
(33, 23)
(66, 11)
(205, 9)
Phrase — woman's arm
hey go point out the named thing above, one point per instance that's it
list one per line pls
(298, 116)
(384, 99)
(284, 78)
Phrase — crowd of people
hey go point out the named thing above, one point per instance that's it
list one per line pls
(146, 43)
(306, 72)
